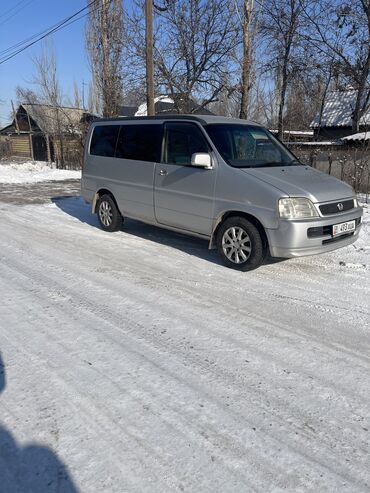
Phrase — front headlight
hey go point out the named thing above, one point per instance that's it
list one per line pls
(355, 202)
(296, 208)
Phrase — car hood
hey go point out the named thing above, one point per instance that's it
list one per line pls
(303, 181)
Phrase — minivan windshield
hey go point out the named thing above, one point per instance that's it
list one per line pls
(247, 146)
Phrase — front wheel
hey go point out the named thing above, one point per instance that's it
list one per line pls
(109, 216)
(239, 244)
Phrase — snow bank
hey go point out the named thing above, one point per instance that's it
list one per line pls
(33, 172)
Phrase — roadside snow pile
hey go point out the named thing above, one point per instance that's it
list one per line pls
(33, 172)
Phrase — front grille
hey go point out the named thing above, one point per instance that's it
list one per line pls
(336, 207)
(326, 231)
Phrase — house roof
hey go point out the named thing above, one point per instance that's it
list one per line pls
(127, 110)
(48, 118)
(162, 105)
(338, 110)
(294, 133)
(361, 136)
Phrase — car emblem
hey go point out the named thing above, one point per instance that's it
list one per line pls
(340, 206)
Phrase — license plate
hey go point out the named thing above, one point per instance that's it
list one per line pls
(339, 229)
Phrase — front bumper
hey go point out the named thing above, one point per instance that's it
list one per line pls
(291, 238)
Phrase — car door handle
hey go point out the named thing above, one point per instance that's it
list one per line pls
(163, 172)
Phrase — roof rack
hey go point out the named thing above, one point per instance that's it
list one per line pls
(157, 117)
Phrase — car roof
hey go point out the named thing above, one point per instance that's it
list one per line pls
(202, 119)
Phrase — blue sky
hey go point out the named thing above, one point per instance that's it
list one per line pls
(35, 16)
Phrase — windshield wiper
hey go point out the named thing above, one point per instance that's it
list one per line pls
(272, 164)
(262, 165)
(293, 162)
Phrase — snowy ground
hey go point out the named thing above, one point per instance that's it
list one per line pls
(135, 362)
(33, 172)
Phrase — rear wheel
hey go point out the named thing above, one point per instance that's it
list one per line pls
(109, 216)
(239, 244)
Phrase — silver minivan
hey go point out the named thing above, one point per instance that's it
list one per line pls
(223, 179)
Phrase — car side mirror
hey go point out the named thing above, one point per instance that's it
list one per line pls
(201, 160)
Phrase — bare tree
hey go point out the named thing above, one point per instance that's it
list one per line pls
(93, 104)
(47, 81)
(77, 100)
(193, 45)
(63, 127)
(246, 24)
(104, 42)
(343, 34)
(281, 29)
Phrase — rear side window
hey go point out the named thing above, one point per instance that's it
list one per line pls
(182, 141)
(103, 140)
(140, 142)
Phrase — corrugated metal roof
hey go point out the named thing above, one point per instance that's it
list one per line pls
(298, 133)
(357, 137)
(338, 110)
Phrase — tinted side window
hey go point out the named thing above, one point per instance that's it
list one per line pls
(182, 141)
(103, 140)
(140, 142)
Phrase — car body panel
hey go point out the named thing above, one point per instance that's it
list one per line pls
(184, 197)
(303, 181)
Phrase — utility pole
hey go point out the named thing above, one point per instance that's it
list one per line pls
(107, 83)
(149, 57)
(247, 57)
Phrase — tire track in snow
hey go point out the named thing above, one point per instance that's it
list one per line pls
(101, 315)
(23, 269)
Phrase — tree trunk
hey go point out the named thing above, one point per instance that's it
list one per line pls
(322, 105)
(284, 85)
(60, 138)
(105, 54)
(361, 98)
(247, 58)
(149, 58)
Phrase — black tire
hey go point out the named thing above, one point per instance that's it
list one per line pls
(244, 253)
(109, 216)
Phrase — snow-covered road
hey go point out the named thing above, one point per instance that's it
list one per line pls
(141, 364)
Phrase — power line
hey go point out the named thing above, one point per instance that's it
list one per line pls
(34, 36)
(16, 12)
(56, 27)
(27, 40)
(12, 8)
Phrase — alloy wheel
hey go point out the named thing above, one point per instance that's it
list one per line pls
(106, 213)
(236, 245)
